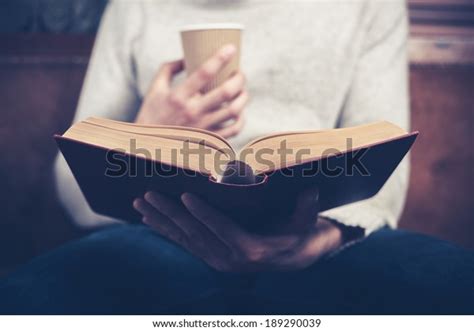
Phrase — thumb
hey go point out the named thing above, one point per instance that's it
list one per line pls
(166, 73)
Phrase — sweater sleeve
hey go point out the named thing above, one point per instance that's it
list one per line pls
(108, 91)
(379, 91)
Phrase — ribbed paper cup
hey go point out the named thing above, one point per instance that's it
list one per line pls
(201, 41)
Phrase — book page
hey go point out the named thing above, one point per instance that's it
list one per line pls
(287, 149)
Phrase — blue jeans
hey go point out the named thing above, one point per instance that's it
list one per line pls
(128, 269)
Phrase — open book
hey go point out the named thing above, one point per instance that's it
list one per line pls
(115, 162)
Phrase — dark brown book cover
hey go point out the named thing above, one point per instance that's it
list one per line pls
(255, 205)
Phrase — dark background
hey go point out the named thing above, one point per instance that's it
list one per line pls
(44, 51)
(51, 16)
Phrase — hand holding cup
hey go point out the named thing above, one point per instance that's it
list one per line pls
(212, 97)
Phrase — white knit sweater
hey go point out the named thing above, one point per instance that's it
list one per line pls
(310, 64)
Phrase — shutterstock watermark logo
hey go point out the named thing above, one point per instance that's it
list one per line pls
(204, 159)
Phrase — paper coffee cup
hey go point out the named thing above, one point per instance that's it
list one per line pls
(202, 41)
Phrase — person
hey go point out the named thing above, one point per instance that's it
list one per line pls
(306, 65)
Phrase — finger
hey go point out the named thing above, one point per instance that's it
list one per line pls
(166, 206)
(219, 224)
(307, 208)
(144, 208)
(206, 72)
(166, 73)
(166, 229)
(173, 211)
(157, 221)
(199, 239)
(232, 129)
(224, 93)
(231, 111)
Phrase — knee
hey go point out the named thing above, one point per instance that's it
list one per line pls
(119, 254)
(135, 247)
(124, 260)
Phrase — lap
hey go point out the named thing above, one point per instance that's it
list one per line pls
(130, 269)
(391, 271)
(122, 268)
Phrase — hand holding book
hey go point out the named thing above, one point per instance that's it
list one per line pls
(219, 241)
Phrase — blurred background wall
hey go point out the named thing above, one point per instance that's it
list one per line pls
(50, 16)
(44, 51)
